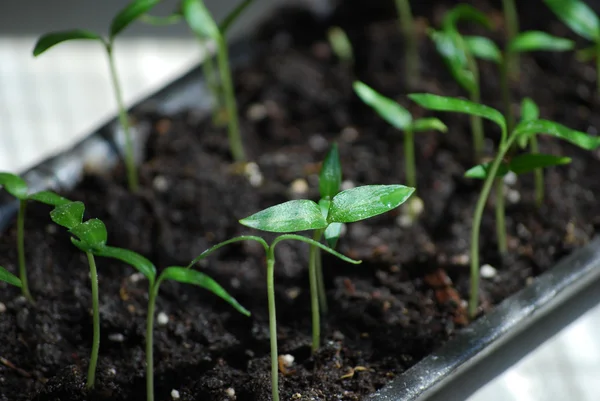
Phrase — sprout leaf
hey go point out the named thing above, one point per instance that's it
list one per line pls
(133, 11)
(332, 234)
(14, 185)
(51, 39)
(454, 57)
(532, 41)
(287, 217)
(199, 19)
(367, 201)
(49, 198)
(68, 215)
(578, 138)
(330, 177)
(428, 124)
(464, 12)
(8, 277)
(578, 16)
(481, 171)
(526, 163)
(92, 234)
(133, 259)
(233, 16)
(387, 108)
(483, 48)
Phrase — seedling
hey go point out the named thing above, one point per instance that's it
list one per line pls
(17, 187)
(204, 26)
(122, 20)
(583, 21)
(9, 278)
(340, 45)
(523, 130)
(408, 27)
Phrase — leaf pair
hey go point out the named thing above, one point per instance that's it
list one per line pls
(17, 187)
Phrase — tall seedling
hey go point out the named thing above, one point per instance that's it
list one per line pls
(122, 20)
(523, 130)
(17, 187)
(204, 26)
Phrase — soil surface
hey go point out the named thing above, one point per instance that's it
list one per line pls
(385, 314)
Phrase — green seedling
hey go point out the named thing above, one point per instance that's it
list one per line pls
(401, 119)
(340, 45)
(525, 129)
(9, 278)
(17, 187)
(461, 62)
(206, 29)
(408, 27)
(179, 274)
(122, 20)
(583, 21)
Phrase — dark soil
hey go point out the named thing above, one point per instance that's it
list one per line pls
(386, 314)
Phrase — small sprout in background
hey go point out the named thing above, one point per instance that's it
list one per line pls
(341, 45)
(401, 119)
(17, 187)
(409, 30)
(583, 21)
(461, 62)
(9, 278)
(206, 29)
(511, 24)
(122, 20)
(525, 129)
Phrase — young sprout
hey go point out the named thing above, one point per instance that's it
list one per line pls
(9, 278)
(204, 26)
(401, 119)
(523, 130)
(583, 21)
(179, 274)
(461, 62)
(122, 20)
(408, 27)
(340, 44)
(17, 187)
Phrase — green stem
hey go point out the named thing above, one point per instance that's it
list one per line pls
(505, 88)
(500, 224)
(132, 178)
(150, 342)
(91, 377)
(235, 140)
(272, 322)
(407, 25)
(476, 122)
(208, 69)
(21, 249)
(409, 158)
(321, 282)
(598, 67)
(314, 294)
(538, 174)
(479, 208)
(512, 29)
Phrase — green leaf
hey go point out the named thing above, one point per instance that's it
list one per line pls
(483, 48)
(532, 41)
(481, 171)
(452, 104)
(575, 137)
(199, 19)
(454, 57)
(233, 16)
(529, 110)
(324, 205)
(332, 234)
(288, 217)
(133, 259)
(330, 177)
(428, 124)
(49, 198)
(367, 201)
(340, 44)
(92, 234)
(10, 278)
(68, 215)
(126, 16)
(526, 163)
(387, 108)
(51, 39)
(464, 12)
(577, 16)
(191, 276)
(14, 185)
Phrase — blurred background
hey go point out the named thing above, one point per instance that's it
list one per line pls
(49, 103)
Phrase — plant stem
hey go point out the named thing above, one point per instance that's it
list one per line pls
(321, 282)
(500, 224)
(150, 342)
(21, 250)
(132, 178)
(208, 69)
(235, 141)
(272, 322)
(538, 174)
(314, 295)
(91, 377)
(512, 29)
(476, 122)
(409, 158)
(475, 229)
(407, 25)
(598, 67)
(505, 88)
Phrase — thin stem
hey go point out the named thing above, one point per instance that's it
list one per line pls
(235, 140)
(91, 377)
(505, 89)
(314, 294)
(272, 322)
(512, 29)
(150, 341)
(407, 25)
(598, 67)
(476, 122)
(321, 282)
(229, 241)
(208, 70)
(500, 224)
(21, 249)
(475, 229)
(409, 158)
(132, 178)
(538, 174)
